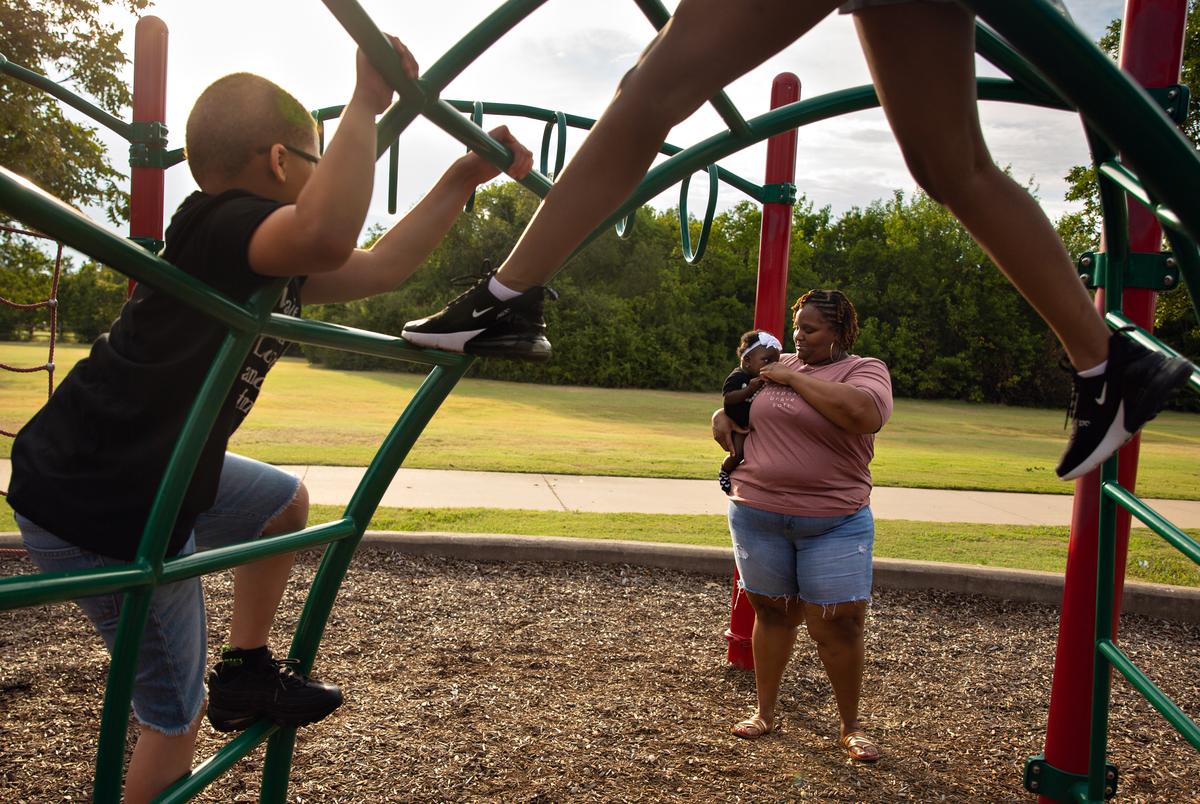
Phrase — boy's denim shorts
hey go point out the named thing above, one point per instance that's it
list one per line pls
(169, 689)
(821, 559)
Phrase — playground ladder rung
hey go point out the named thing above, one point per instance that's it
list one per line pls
(1153, 520)
(1150, 691)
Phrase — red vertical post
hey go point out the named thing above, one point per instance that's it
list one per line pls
(149, 106)
(770, 303)
(1151, 51)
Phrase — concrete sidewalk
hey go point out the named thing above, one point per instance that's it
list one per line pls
(436, 488)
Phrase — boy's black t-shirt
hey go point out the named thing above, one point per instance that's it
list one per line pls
(736, 381)
(87, 466)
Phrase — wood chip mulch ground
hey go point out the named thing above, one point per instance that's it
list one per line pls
(556, 682)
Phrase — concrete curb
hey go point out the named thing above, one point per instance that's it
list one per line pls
(1177, 603)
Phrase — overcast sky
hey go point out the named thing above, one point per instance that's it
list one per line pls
(568, 56)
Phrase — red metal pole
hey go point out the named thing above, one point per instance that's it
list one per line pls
(769, 305)
(149, 106)
(1151, 51)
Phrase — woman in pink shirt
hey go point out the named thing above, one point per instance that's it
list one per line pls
(800, 514)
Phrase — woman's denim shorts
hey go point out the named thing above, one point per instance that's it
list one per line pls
(818, 559)
(169, 689)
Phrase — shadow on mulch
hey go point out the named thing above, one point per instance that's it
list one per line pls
(556, 682)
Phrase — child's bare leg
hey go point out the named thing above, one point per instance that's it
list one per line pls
(735, 458)
(258, 587)
(158, 760)
(706, 45)
(922, 60)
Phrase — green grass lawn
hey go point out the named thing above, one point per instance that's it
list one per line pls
(1015, 546)
(309, 415)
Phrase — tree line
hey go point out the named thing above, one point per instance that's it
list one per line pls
(631, 313)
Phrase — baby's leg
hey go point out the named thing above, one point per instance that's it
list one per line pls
(731, 462)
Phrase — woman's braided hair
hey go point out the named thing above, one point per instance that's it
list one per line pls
(837, 310)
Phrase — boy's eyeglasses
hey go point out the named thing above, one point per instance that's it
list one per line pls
(305, 155)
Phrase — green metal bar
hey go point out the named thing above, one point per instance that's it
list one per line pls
(68, 97)
(378, 49)
(348, 339)
(1121, 176)
(20, 591)
(1154, 520)
(211, 769)
(416, 98)
(42, 211)
(480, 38)
(277, 767)
(196, 428)
(235, 555)
(462, 129)
(1105, 573)
(793, 115)
(328, 580)
(392, 452)
(658, 15)
(1117, 320)
(751, 189)
(1114, 202)
(160, 522)
(1120, 110)
(118, 692)
(1187, 257)
(998, 52)
(1142, 683)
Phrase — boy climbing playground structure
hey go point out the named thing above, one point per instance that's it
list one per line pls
(1138, 152)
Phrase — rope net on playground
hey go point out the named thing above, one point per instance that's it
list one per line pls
(50, 303)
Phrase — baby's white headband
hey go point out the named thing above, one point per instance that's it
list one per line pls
(764, 339)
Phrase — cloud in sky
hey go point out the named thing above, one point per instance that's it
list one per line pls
(569, 56)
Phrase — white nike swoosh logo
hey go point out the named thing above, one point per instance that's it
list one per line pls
(1103, 395)
(477, 313)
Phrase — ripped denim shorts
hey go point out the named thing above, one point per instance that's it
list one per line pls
(818, 559)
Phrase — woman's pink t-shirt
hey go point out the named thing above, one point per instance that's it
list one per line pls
(797, 462)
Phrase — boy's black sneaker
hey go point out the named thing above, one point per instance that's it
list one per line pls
(250, 684)
(478, 323)
(1110, 408)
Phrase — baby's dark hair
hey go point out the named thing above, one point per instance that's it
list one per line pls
(748, 339)
(837, 310)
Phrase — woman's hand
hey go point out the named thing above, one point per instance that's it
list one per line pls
(723, 429)
(778, 373)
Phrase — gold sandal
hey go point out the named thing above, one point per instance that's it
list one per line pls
(860, 747)
(752, 728)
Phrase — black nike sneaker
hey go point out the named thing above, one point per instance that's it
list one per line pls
(250, 684)
(1109, 409)
(478, 323)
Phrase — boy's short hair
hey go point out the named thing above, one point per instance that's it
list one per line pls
(237, 116)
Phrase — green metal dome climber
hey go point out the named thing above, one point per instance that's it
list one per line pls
(1136, 145)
